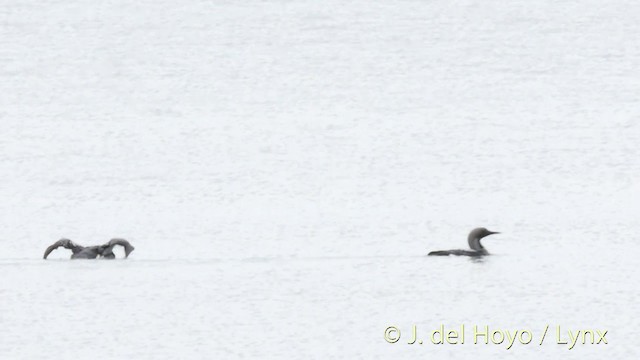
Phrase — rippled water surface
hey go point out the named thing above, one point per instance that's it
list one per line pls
(284, 167)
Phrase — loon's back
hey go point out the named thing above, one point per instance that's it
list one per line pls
(458, 252)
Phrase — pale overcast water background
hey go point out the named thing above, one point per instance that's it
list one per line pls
(284, 167)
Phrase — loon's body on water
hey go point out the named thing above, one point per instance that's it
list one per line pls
(474, 243)
(91, 252)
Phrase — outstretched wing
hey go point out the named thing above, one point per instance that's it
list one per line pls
(128, 248)
(66, 243)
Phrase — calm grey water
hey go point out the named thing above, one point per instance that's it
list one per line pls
(283, 168)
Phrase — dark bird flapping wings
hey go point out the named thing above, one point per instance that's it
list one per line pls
(91, 252)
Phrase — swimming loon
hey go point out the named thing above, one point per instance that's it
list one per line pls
(474, 243)
(91, 252)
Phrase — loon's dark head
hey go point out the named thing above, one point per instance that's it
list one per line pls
(479, 233)
(476, 234)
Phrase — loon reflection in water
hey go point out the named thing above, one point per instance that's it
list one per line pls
(474, 243)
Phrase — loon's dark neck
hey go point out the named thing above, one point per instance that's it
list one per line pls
(474, 243)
